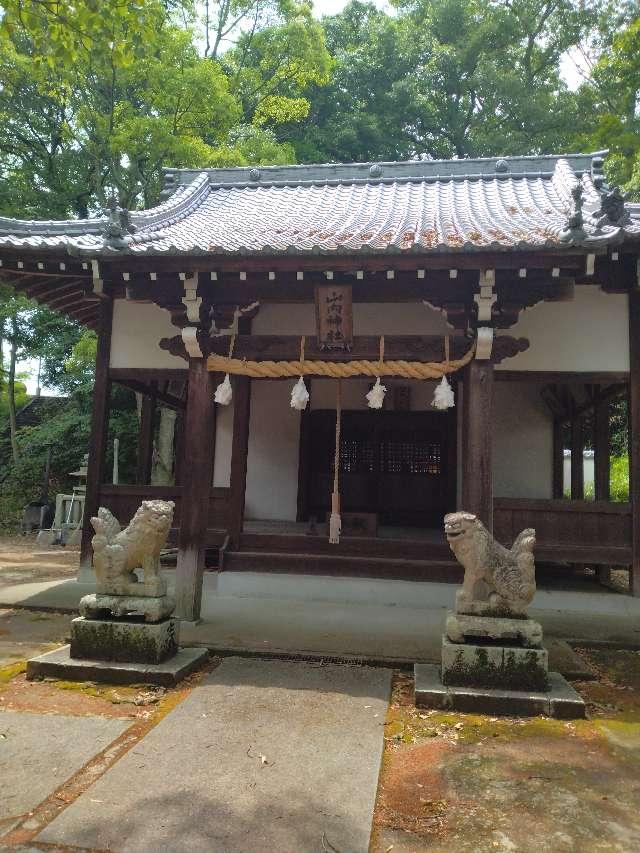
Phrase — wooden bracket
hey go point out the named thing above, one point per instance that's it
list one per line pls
(190, 300)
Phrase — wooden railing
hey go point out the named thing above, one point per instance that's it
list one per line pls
(124, 500)
(596, 532)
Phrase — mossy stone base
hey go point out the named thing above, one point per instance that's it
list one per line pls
(506, 667)
(560, 700)
(123, 641)
(59, 664)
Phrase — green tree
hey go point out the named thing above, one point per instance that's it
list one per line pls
(446, 78)
(611, 99)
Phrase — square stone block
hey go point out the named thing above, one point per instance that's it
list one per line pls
(462, 628)
(506, 667)
(122, 640)
(560, 701)
(59, 664)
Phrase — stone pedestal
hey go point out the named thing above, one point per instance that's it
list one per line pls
(495, 665)
(123, 640)
(125, 633)
(104, 606)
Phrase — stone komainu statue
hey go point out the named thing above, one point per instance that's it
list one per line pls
(117, 552)
(496, 580)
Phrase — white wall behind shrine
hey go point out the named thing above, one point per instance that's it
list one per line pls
(522, 442)
(588, 333)
(272, 463)
(224, 438)
(137, 328)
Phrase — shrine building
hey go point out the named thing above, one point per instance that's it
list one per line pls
(514, 278)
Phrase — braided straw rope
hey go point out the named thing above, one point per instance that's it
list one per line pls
(338, 370)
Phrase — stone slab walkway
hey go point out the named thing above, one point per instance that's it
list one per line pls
(277, 755)
(38, 752)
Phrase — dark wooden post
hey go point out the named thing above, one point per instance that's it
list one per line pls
(98, 439)
(602, 451)
(577, 459)
(634, 436)
(239, 452)
(197, 477)
(558, 459)
(304, 459)
(477, 475)
(178, 449)
(145, 436)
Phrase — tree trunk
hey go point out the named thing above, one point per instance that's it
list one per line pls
(11, 391)
(162, 472)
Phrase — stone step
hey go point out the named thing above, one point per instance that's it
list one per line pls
(344, 565)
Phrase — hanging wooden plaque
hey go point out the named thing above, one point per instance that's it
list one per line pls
(334, 316)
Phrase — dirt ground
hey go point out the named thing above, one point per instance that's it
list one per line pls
(462, 783)
(23, 561)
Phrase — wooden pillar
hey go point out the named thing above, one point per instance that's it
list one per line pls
(577, 459)
(602, 451)
(634, 437)
(477, 482)
(239, 452)
(145, 436)
(199, 441)
(99, 429)
(178, 449)
(304, 459)
(558, 460)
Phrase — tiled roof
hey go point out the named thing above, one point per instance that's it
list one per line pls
(508, 203)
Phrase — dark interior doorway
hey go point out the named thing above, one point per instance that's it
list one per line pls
(400, 465)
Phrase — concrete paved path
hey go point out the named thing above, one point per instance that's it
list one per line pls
(39, 752)
(261, 756)
(384, 619)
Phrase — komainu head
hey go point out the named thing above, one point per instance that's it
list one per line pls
(459, 526)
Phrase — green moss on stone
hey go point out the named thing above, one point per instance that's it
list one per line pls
(521, 672)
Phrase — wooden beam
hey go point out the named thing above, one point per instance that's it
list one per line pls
(602, 450)
(574, 262)
(99, 429)
(148, 374)
(168, 400)
(416, 348)
(239, 452)
(304, 458)
(558, 459)
(634, 435)
(477, 473)
(69, 300)
(600, 377)
(146, 435)
(200, 427)
(47, 287)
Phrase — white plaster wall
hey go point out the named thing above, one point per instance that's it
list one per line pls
(137, 328)
(522, 442)
(224, 438)
(591, 332)
(272, 464)
(323, 393)
(369, 318)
